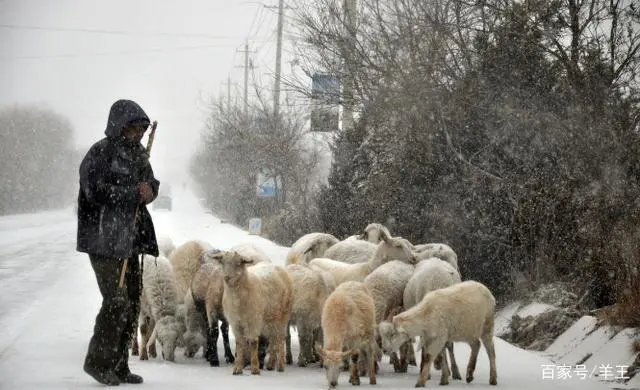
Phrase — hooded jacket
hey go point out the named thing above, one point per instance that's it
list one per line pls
(108, 198)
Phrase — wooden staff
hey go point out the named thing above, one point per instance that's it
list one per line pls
(135, 218)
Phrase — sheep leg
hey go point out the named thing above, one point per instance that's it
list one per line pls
(317, 337)
(305, 338)
(281, 353)
(135, 348)
(444, 378)
(454, 366)
(404, 353)
(288, 345)
(144, 336)
(355, 377)
(253, 347)
(211, 349)
(428, 351)
(372, 364)
(411, 354)
(240, 347)
(473, 358)
(224, 328)
(272, 356)
(487, 341)
(346, 363)
(151, 347)
(423, 362)
(437, 363)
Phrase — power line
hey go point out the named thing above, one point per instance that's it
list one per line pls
(115, 32)
(97, 54)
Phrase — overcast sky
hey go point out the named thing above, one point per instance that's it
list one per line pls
(79, 56)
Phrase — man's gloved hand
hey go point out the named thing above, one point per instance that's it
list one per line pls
(146, 192)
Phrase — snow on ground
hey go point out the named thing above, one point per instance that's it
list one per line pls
(50, 299)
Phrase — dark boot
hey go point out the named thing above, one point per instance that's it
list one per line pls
(105, 377)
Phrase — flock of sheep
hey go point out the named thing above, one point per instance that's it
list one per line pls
(351, 302)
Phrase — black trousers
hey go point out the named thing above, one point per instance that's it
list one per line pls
(117, 319)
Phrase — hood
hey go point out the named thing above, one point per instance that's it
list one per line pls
(122, 113)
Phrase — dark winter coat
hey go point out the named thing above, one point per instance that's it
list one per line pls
(108, 198)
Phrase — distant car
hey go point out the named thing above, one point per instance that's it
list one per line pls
(162, 202)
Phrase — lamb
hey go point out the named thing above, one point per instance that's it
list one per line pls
(348, 326)
(388, 249)
(429, 275)
(387, 285)
(441, 251)
(310, 291)
(257, 300)
(159, 311)
(461, 312)
(374, 232)
(310, 246)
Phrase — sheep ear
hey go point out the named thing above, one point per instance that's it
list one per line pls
(350, 353)
(319, 349)
(384, 236)
(312, 247)
(214, 255)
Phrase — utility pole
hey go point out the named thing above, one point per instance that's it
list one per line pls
(349, 9)
(246, 52)
(276, 88)
(229, 92)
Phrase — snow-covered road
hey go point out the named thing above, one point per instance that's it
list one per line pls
(49, 298)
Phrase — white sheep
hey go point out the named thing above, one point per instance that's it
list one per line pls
(159, 312)
(257, 300)
(461, 312)
(387, 285)
(309, 246)
(387, 250)
(348, 327)
(374, 232)
(310, 291)
(207, 288)
(441, 251)
(429, 275)
(351, 251)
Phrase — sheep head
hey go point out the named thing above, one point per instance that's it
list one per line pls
(392, 336)
(169, 332)
(374, 233)
(332, 361)
(394, 248)
(318, 247)
(192, 343)
(233, 265)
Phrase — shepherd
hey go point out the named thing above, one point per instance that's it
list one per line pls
(114, 229)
